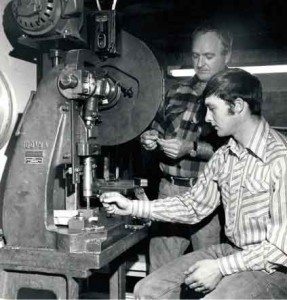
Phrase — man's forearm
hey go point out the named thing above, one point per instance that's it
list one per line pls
(261, 257)
(171, 209)
(231, 264)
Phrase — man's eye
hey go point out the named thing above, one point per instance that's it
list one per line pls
(209, 56)
(195, 56)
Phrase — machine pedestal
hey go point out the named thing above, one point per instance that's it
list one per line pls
(58, 275)
(23, 285)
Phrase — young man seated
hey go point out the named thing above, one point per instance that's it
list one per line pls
(248, 175)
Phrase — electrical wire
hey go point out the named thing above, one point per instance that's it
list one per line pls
(98, 5)
(114, 5)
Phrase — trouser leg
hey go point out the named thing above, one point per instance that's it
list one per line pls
(251, 285)
(169, 241)
(168, 281)
(207, 233)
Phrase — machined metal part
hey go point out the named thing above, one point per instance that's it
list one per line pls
(88, 176)
(101, 185)
(139, 76)
(93, 86)
(76, 84)
(87, 149)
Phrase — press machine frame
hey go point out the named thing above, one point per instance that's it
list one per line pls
(79, 106)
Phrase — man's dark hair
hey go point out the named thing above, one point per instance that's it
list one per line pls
(236, 83)
(223, 34)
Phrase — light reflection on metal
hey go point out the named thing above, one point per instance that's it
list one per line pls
(6, 111)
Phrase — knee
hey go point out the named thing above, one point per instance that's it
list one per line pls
(156, 287)
(142, 289)
(150, 287)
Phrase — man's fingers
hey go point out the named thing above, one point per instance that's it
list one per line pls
(170, 150)
(151, 144)
(170, 155)
(149, 141)
(108, 206)
(167, 143)
(201, 289)
(111, 209)
(164, 143)
(149, 138)
(191, 269)
(109, 197)
(107, 200)
(193, 285)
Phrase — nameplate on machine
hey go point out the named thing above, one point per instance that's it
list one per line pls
(34, 157)
(34, 152)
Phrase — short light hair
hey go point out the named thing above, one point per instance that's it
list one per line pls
(224, 35)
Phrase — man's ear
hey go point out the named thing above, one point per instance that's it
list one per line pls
(238, 105)
(227, 57)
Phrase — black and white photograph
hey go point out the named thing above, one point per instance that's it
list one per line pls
(143, 149)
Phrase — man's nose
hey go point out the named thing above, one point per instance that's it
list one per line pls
(208, 117)
(201, 61)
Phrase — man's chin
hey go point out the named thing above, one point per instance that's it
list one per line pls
(221, 134)
(218, 132)
(203, 76)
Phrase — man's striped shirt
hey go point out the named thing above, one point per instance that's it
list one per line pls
(252, 185)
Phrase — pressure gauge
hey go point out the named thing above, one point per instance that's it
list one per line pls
(36, 17)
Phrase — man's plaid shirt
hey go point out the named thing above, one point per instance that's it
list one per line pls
(178, 118)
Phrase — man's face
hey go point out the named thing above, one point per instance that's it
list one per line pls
(219, 116)
(207, 55)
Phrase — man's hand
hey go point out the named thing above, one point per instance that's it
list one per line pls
(175, 148)
(115, 203)
(203, 276)
(149, 139)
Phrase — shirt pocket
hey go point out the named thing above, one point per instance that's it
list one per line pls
(255, 200)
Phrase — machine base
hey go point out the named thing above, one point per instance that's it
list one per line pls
(59, 273)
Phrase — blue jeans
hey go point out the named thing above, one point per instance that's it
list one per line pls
(169, 241)
(168, 281)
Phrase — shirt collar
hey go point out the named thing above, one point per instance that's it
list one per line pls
(258, 142)
(197, 85)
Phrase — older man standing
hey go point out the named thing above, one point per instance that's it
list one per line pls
(185, 146)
